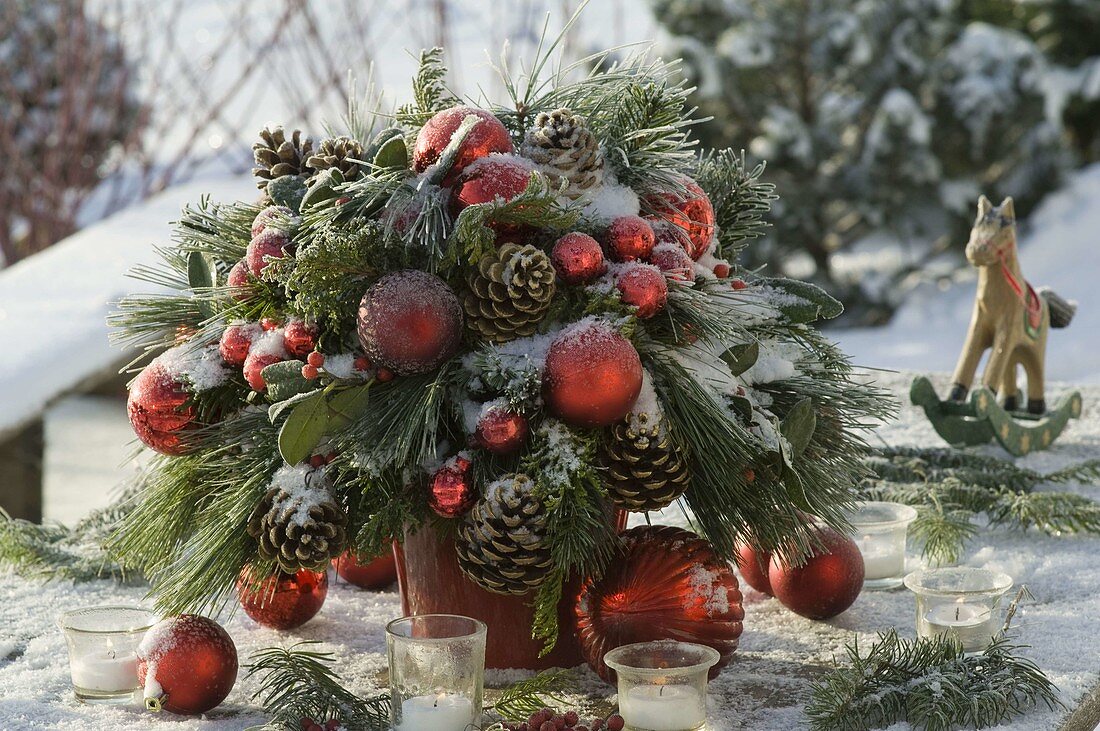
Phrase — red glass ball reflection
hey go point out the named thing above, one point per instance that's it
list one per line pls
(367, 573)
(668, 583)
(592, 376)
(451, 493)
(410, 322)
(160, 410)
(827, 584)
(235, 343)
(630, 238)
(691, 211)
(577, 258)
(644, 287)
(501, 431)
(254, 365)
(240, 278)
(192, 659)
(283, 601)
(487, 136)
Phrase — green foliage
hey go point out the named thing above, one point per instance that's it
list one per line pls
(521, 699)
(740, 198)
(430, 92)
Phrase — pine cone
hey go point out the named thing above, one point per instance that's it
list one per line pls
(643, 469)
(502, 544)
(563, 144)
(275, 155)
(297, 540)
(509, 292)
(338, 152)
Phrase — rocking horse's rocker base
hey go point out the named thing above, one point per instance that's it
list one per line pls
(981, 419)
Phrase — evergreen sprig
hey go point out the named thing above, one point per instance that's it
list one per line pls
(430, 91)
(740, 198)
(525, 697)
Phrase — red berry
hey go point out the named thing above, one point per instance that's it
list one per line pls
(362, 363)
(384, 375)
(739, 284)
(721, 270)
(253, 367)
(316, 359)
(330, 457)
(342, 200)
(332, 724)
(309, 372)
(615, 722)
(548, 726)
(750, 475)
(597, 724)
(306, 722)
(316, 460)
(571, 719)
(235, 342)
(299, 337)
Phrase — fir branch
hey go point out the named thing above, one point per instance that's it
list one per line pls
(430, 91)
(521, 699)
(503, 372)
(739, 196)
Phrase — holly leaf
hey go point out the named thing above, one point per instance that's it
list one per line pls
(200, 270)
(303, 429)
(285, 379)
(804, 302)
(741, 357)
(347, 406)
(392, 154)
(799, 425)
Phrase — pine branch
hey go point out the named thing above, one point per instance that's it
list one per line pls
(740, 198)
(521, 699)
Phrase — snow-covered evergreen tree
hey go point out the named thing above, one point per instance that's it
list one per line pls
(875, 118)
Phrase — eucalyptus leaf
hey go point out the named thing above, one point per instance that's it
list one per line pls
(799, 425)
(200, 270)
(805, 302)
(347, 406)
(322, 188)
(379, 141)
(303, 429)
(392, 154)
(285, 379)
(742, 357)
(287, 190)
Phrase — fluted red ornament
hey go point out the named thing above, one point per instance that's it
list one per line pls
(753, 565)
(367, 573)
(160, 410)
(667, 583)
(451, 492)
(410, 322)
(501, 431)
(643, 286)
(187, 665)
(630, 238)
(271, 243)
(827, 584)
(577, 258)
(282, 601)
(487, 136)
(691, 211)
(673, 262)
(299, 337)
(592, 377)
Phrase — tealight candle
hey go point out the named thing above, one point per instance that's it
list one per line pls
(105, 670)
(879, 529)
(103, 651)
(664, 707)
(959, 602)
(443, 712)
(663, 684)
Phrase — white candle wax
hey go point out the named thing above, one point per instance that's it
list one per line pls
(971, 623)
(883, 558)
(106, 671)
(443, 712)
(663, 708)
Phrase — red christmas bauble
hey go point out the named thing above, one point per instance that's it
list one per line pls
(644, 287)
(236, 341)
(240, 279)
(187, 664)
(501, 431)
(668, 583)
(487, 136)
(271, 215)
(630, 238)
(452, 492)
(674, 262)
(488, 180)
(376, 573)
(299, 338)
(577, 258)
(254, 365)
(691, 211)
(410, 322)
(827, 584)
(269, 244)
(753, 565)
(593, 376)
(283, 601)
(160, 410)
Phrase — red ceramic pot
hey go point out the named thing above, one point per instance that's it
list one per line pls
(375, 574)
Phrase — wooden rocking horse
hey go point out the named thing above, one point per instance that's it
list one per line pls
(1011, 320)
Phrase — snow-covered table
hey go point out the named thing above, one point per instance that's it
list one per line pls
(763, 689)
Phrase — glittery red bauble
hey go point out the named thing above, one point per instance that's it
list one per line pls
(299, 338)
(674, 262)
(501, 431)
(452, 492)
(577, 258)
(753, 565)
(410, 322)
(159, 409)
(187, 664)
(488, 180)
(269, 244)
(826, 584)
(630, 238)
(487, 136)
(668, 584)
(235, 342)
(644, 287)
(271, 215)
(691, 211)
(376, 573)
(283, 601)
(240, 279)
(592, 376)
(254, 365)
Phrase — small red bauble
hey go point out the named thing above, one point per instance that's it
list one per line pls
(668, 583)
(240, 279)
(487, 136)
(299, 338)
(270, 244)
(283, 601)
(577, 258)
(187, 664)
(691, 211)
(593, 376)
(501, 431)
(753, 565)
(827, 584)
(630, 238)
(273, 217)
(235, 342)
(674, 262)
(254, 365)
(644, 287)
(452, 492)
(160, 410)
(377, 573)
(410, 322)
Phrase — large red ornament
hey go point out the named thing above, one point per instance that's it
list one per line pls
(593, 376)
(410, 322)
(271, 243)
(630, 238)
(299, 338)
(490, 179)
(376, 573)
(827, 584)
(187, 665)
(283, 601)
(753, 565)
(577, 258)
(674, 262)
(668, 584)
(644, 287)
(501, 431)
(160, 410)
(487, 136)
(691, 211)
(452, 492)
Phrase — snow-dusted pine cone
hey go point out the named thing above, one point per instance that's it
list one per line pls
(509, 292)
(339, 153)
(643, 469)
(562, 143)
(276, 155)
(299, 529)
(502, 544)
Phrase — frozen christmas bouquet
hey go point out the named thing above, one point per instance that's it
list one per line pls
(484, 333)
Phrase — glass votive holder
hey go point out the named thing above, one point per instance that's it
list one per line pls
(879, 529)
(962, 602)
(662, 684)
(103, 645)
(437, 672)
